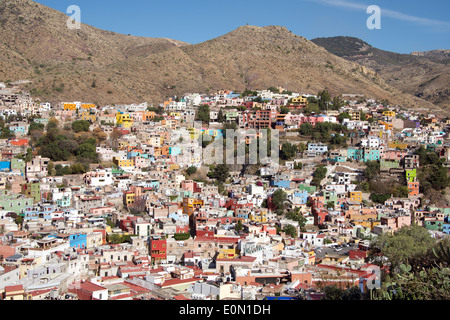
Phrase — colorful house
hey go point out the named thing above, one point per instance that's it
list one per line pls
(354, 154)
(371, 154)
(78, 240)
(355, 196)
(124, 120)
(411, 175)
(157, 249)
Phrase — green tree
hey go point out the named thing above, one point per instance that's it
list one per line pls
(439, 178)
(203, 114)
(343, 115)
(220, 117)
(379, 198)
(408, 245)
(239, 226)
(51, 168)
(306, 129)
(80, 125)
(35, 126)
(401, 192)
(191, 170)
(278, 199)
(290, 230)
(284, 110)
(221, 172)
(297, 216)
(372, 170)
(431, 283)
(288, 151)
(318, 175)
(324, 100)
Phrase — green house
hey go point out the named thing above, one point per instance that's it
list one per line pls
(307, 188)
(434, 225)
(32, 190)
(411, 175)
(14, 202)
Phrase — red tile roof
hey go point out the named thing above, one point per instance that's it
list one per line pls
(91, 287)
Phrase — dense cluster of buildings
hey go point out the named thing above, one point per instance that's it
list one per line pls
(137, 226)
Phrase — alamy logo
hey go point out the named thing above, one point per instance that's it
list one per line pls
(197, 145)
(374, 21)
(74, 21)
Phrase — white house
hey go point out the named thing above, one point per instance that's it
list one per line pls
(98, 178)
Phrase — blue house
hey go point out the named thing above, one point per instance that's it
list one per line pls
(63, 202)
(78, 240)
(133, 153)
(371, 155)
(154, 184)
(280, 183)
(5, 166)
(243, 215)
(174, 151)
(19, 129)
(354, 154)
(40, 211)
(302, 195)
(446, 228)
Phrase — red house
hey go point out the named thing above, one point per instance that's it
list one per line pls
(157, 249)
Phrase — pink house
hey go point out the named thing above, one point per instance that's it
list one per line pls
(190, 185)
(395, 223)
(393, 154)
(101, 211)
(140, 162)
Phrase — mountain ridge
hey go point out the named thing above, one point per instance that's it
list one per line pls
(422, 74)
(105, 67)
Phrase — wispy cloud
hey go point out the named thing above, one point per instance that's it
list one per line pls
(384, 12)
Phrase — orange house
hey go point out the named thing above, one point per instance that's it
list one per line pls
(148, 115)
(190, 205)
(165, 151)
(413, 188)
(157, 152)
(19, 142)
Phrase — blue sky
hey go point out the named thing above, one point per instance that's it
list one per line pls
(406, 26)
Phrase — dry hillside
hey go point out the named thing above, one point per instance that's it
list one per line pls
(105, 67)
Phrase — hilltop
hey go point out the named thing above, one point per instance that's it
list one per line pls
(422, 74)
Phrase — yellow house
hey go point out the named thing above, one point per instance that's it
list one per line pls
(368, 223)
(396, 144)
(190, 204)
(94, 239)
(227, 254)
(300, 100)
(387, 125)
(15, 292)
(389, 113)
(124, 120)
(155, 140)
(355, 114)
(312, 257)
(123, 162)
(70, 106)
(258, 216)
(86, 115)
(123, 144)
(88, 106)
(355, 196)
